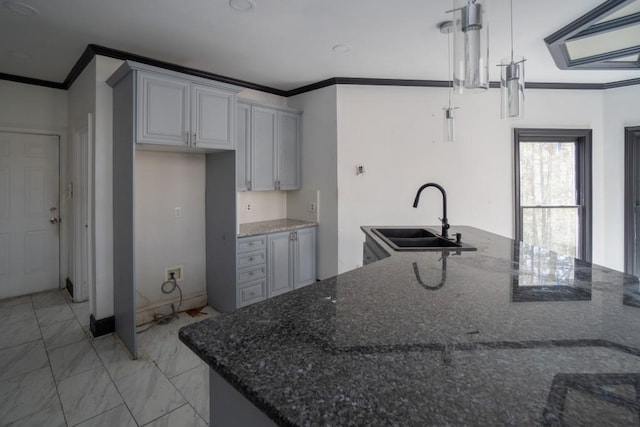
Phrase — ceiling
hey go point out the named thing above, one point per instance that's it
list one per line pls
(283, 44)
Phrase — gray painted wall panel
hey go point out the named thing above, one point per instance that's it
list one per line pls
(220, 205)
(124, 295)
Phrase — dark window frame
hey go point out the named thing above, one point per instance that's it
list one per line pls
(631, 147)
(583, 140)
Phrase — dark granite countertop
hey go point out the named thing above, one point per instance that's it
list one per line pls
(273, 226)
(517, 335)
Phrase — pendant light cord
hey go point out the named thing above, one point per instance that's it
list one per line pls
(449, 65)
(511, 13)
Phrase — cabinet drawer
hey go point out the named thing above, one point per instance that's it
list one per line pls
(252, 273)
(252, 292)
(250, 244)
(251, 259)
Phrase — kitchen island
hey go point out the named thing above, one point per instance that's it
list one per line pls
(507, 334)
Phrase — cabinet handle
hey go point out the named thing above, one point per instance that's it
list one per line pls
(248, 185)
(251, 273)
(252, 243)
(188, 138)
(195, 137)
(251, 259)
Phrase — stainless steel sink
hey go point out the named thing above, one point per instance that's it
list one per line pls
(417, 239)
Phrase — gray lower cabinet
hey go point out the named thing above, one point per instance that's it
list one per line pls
(291, 260)
(251, 276)
(371, 252)
(268, 147)
(272, 264)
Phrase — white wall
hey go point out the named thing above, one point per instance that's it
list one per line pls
(621, 109)
(28, 108)
(266, 98)
(319, 169)
(165, 181)
(397, 134)
(265, 206)
(103, 194)
(82, 106)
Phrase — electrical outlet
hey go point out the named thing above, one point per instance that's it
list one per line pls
(312, 207)
(177, 212)
(249, 208)
(177, 272)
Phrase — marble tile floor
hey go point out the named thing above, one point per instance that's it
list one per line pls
(54, 373)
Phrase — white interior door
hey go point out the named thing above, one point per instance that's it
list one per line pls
(29, 213)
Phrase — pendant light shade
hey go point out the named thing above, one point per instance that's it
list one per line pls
(512, 87)
(450, 124)
(449, 111)
(471, 46)
(512, 82)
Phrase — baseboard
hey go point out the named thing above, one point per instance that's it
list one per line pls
(70, 287)
(102, 326)
(145, 314)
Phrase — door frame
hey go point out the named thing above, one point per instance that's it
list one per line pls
(62, 203)
(631, 148)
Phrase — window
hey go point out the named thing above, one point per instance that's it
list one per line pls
(553, 189)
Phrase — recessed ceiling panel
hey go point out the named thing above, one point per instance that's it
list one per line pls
(630, 58)
(630, 9)
(603, 43)
(607, 37)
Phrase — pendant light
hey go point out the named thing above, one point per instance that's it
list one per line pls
(471, 45)
(449, 112)
(512, 81)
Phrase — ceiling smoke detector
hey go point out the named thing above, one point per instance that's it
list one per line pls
(20, 8)
(242, 5)
(341, 48)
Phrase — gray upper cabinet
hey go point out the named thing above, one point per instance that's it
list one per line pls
(212, 117)
(175, 109)
(163, 109)
(272, 138)
(243, 147)
(288, 151)
(263, 148)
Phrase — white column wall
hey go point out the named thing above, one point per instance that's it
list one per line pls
(318, 168)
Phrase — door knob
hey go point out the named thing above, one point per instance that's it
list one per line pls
(54, 218)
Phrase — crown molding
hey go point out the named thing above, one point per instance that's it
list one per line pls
(92, 50)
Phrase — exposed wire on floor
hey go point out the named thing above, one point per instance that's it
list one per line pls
(162, 319)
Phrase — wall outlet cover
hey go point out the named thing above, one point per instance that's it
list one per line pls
(177, 270)
(312, 207)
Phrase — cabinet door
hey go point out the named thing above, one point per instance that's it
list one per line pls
(288, 150)
(279, 266)
(304, 257)
(162, 109)
(212, 117)
(243, 148)
(263, 141)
